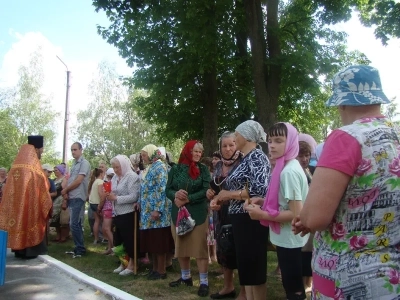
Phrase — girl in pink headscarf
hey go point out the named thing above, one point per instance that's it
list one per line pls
(286, 193)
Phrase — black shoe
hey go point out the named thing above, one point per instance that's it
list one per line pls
(203, 290)
(223, 296)
(156, 276)
(187, 282)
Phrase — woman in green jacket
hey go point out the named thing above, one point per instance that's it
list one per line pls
(188, 182)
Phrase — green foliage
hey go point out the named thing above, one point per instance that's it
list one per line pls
(185, 51)
(175, 45)
(25, 111)
(110, 125)
(384, 15)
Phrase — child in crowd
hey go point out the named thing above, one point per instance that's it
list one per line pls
(96, 194)
(287, 191)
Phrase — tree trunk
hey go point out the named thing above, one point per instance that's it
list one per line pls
(258, 50)
(210, 112)
(274, 74)
(210, 88)
(242, 56)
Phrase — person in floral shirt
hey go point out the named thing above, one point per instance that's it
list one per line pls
(155, 212)
(354, 198)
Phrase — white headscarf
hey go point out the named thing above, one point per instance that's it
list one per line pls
(252, 131)
(125, 164)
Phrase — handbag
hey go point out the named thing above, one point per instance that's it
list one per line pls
(64, 217)
(225, 240)
(184, 222)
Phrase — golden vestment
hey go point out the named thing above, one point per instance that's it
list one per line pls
(26, 204)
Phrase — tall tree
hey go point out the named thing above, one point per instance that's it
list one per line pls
(110, 125)
(193, 58)
(26, 110)
(185, 55)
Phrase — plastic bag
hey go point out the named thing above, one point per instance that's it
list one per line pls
(184, 222)
(119, 251)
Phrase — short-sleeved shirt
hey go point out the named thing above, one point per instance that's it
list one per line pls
(293, 186)
(80, 167)
(94, 197)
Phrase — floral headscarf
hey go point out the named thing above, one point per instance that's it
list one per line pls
(156, 156)
(186, 158)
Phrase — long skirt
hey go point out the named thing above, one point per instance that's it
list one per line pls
(192, 244)
(156, 240)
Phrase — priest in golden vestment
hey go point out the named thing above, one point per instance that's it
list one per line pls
(26, 204)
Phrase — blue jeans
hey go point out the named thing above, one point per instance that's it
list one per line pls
(75, 207)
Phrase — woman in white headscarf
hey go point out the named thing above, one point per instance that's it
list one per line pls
(125, 187)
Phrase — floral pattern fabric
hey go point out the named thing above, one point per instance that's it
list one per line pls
(358, 257)
(357, 85)
(153, 197)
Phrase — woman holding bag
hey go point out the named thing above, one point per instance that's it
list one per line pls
(187, 184)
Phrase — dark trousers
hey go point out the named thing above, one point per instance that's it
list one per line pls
(306, 263)
(124, 230)
(290, 262)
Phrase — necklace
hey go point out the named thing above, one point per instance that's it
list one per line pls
(222, 181)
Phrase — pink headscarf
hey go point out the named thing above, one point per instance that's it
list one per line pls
(271, 203)
(304, 137)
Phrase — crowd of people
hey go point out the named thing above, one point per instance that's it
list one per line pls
(330, 210)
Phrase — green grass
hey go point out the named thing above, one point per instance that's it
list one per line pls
(100, 267)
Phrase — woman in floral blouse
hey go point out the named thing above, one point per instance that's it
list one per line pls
(353, 203)
(155, 212)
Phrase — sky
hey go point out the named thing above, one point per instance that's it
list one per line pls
(68, 29)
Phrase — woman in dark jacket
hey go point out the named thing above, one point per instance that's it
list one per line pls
(187, 185)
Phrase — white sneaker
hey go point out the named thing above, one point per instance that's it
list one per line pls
(126, 272)
(119, 269)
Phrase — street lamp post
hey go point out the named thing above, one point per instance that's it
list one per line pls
(66, 116)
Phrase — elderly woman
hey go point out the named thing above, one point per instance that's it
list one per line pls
(355, 185)
(3, 178)
(137, 163)
(187, 184)
(249, 179)
(229, 159)
(155, 212)
(61, 229)
(125, 187)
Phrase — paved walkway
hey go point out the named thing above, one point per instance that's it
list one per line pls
(47, 278)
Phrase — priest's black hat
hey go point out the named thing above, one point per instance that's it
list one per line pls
(36, 141)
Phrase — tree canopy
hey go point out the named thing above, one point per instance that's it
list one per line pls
(208, 65)
(25, 110)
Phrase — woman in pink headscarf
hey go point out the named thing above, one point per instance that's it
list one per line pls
(286, 193)
(125, 186)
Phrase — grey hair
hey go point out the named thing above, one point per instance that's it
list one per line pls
(199, 146)
(226, 134)
(3, 169)
(114, 160)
